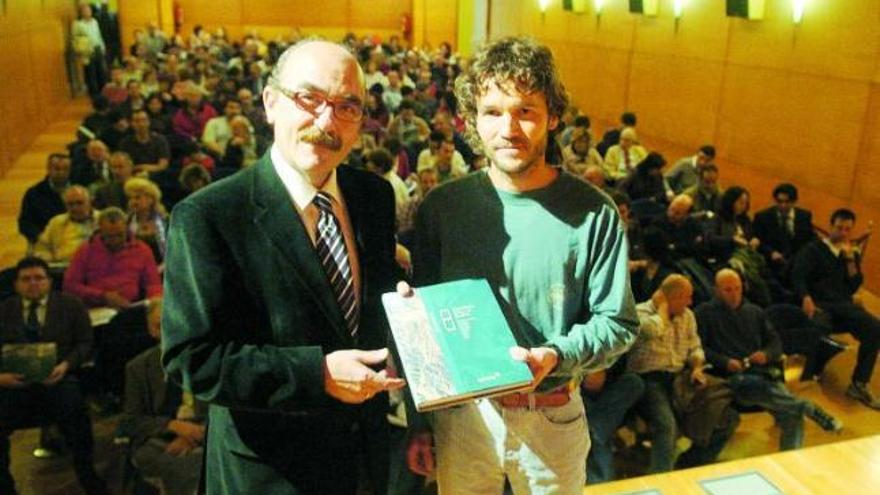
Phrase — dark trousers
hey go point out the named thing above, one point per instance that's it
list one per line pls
(119, 341)
(61, 404)
(865, 327)
(605, 413)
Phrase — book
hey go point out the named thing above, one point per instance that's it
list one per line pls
(454, 344)
(34, 361)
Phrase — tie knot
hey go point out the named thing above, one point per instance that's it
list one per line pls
(323, 202)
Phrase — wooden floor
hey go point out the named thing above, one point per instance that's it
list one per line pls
(756, 436)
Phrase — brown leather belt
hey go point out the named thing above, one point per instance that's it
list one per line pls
(552, 398)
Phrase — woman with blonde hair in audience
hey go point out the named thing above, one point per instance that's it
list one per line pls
(147, 219)
(580, 152)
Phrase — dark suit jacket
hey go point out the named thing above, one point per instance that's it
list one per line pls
(249, 315)
(774, 236)
(146, 393)
(39, 205)
(67, 324)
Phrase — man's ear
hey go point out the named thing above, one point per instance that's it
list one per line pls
(552, 123)
(270, 99)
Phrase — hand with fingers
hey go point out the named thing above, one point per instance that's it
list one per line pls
(348, 375)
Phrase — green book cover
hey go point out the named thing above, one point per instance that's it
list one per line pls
(34, 361)
(454, 344)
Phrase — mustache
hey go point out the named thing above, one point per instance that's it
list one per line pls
(316, 136)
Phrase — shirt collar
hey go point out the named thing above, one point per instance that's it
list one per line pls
(834, 249)
(26, 303)
(298, 186)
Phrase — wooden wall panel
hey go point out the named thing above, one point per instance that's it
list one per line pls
(34, 82)
(670, 94)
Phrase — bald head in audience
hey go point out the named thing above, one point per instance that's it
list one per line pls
(679, 209)
(728, 288)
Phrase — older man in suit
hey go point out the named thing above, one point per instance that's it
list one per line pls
(36, 314)
(273, 281)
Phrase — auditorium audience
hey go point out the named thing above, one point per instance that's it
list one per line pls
(580, 154)
(148, 150)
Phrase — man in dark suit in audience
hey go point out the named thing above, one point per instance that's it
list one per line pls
(783, 229)
(35, 315)
(164, 424)
(825, 275)
(252, 323)
(43, 200)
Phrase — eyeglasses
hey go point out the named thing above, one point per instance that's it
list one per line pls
(314, 102)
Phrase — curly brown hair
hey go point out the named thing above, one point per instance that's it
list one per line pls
(522, 61)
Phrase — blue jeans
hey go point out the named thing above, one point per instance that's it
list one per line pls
(605, 413)
(756, 390)
(656, 408)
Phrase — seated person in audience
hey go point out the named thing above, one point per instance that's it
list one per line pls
(391, 94)
(218, 130)
(119, 128)
(37, 314)
(115, 91)
(706, 193)
(632, 226)
(581, 122)
(594, 174)
(148, 150)
(190, 120)
(743, 347)
(783, 229)
(160, 120)
(428, 180)
(825, 274)
(135, 100)
(410, 129)
(164, 424)
(92, 168)
(612, 136)
(685, 172)
(646, 181)
(66, 232)
(444, 123)
(608, 396)
(622, 158)
(648, 272)
(429, 156)
(255, 114)
(381, 163)
(445, 164)
(147, 218)
(732, 241)
(42, 201)
(685, 232)
(668, 345)
(113, 269)
(580, 153)
(192, 153)
(194, 177)
(113, 193)
(241, 149)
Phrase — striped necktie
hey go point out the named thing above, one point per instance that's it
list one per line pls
(333, 254)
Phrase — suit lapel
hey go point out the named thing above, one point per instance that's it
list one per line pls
(278, 218)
